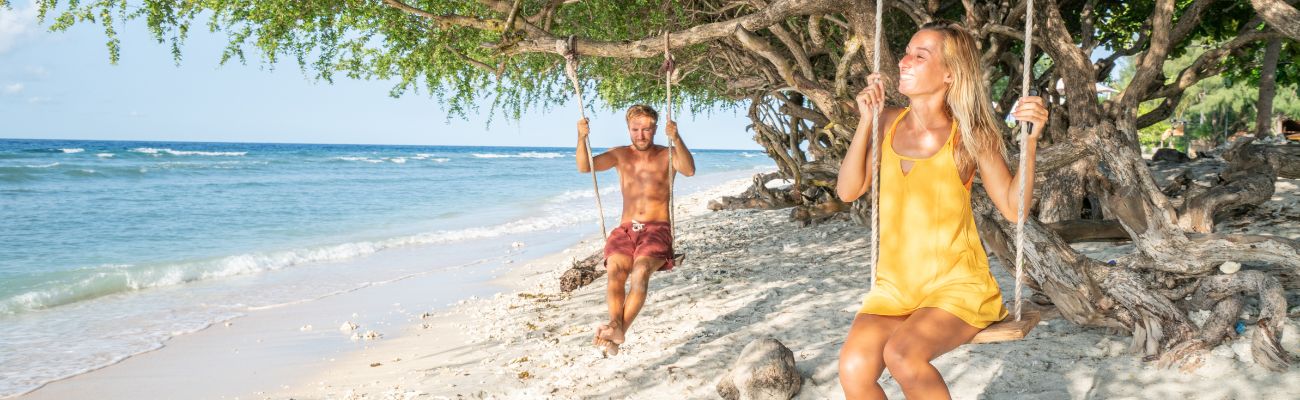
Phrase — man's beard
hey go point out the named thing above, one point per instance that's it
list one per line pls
(641, 147)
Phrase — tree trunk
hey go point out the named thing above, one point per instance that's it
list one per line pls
(1267, 88)
(1061, 193)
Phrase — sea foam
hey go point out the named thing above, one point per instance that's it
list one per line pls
(526, 154)
(153, 151)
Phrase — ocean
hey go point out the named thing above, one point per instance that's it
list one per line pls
(110, 248)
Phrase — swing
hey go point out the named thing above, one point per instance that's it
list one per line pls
(571, 70)
(1017, 325)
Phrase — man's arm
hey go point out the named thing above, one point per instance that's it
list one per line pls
(603, 161)
(683, 161)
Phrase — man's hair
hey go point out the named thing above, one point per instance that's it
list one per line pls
(642, 110)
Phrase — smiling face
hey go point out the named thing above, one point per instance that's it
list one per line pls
(922, 71)
(641, 129)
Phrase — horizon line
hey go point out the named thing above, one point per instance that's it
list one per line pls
(349, 144)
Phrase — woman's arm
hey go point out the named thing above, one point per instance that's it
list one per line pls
(1001, 186)
(855, 172)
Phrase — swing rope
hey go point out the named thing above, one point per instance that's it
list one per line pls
(668, 68)
(875, 156)
(571, 69)
(1026, 74)
(1024, 138)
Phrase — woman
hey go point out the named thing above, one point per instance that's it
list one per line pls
(933, 288)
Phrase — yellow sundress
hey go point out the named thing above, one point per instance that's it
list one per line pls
(930, 250)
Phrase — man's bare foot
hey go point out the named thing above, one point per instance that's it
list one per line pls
(613, 332)
(598, 339)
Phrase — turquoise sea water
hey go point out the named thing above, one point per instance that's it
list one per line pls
(107, 249)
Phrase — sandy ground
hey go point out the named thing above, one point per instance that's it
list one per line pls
(753, 274)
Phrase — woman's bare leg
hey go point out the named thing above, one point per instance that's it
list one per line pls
(861, 358)
(925, 335)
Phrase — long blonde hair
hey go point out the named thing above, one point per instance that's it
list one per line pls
(968, 97)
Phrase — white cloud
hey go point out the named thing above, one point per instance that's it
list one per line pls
(12, 89)
(15, 25)
(38, 71)
(38, 100)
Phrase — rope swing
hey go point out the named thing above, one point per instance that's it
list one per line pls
(668, 68)
(1027, 74)
(570, 53)
(875, 156)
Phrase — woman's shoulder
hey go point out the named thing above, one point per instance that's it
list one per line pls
(889, 114)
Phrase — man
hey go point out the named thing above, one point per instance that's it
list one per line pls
(642, 243)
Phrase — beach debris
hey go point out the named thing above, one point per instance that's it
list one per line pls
(348, 326)
(371, 335)
(228, 324)
(1229, 267)
(764, 370)
(305, 328)
(375, 364)
(582, 273)
(524, 375)
(517, 244)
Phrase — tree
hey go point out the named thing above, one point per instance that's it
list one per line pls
(1281, 15)
(1267, 88)
(795, 65)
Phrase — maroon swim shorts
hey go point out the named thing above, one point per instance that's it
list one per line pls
(649, 239)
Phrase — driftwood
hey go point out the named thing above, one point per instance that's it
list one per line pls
(758, 196)
(583, 272)
(813, 203)
(1170, 155)
(1285, 159)
(1247, 182)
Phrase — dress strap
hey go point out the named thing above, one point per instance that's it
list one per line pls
(889, 136)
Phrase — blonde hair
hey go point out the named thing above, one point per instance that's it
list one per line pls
(641, 110)
(968, 98)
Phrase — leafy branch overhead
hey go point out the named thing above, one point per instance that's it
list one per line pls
(460, 50)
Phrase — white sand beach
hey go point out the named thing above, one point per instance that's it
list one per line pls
(749, 275)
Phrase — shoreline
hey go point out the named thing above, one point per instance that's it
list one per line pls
(259, 350)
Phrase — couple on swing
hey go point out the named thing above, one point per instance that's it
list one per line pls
(934, 290)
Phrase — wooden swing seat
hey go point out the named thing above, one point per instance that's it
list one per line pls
(1008, 329)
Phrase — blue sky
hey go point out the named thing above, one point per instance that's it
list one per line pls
(61, 86)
